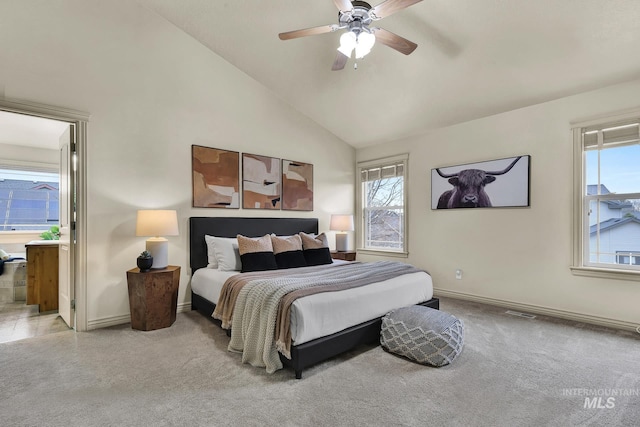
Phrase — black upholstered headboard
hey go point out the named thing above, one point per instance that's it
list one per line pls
(232, 226)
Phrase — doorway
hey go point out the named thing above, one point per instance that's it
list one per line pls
(35, 130)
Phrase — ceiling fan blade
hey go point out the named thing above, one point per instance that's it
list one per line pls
(390, 7)
(340, 62)
(343, 5)
(308, 32)
(394, 41)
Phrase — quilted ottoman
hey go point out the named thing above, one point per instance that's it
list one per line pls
(422, 334)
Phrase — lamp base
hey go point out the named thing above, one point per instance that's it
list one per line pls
(159, 249)
(342, 242)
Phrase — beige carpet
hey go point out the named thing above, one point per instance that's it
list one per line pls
(512, 372)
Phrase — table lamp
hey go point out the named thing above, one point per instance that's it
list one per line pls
(157, 224)
(342, 224)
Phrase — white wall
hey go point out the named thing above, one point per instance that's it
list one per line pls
(152, 92)
(513, 255)
(29, 154)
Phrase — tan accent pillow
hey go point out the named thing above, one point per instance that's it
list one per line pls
(286, 243)
(256, 254)
(247, 245)
(310, 242)
(288, 251)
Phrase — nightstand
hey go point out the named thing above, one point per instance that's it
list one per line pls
(153, 297)
(347, 255)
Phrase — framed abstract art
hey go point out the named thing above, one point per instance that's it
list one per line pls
(261, 178)
(216, 177)
(297, 186)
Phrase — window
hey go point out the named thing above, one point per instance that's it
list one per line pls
(382, 204)
(28, 198)
(628, 258)
(607, 159)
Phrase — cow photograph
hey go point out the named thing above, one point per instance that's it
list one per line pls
(494, 183)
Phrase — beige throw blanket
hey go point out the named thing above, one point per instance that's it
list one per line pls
(258, 305)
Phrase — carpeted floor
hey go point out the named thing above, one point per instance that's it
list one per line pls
(512, 372)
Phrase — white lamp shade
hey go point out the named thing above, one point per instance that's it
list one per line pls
(348, 40)
(366, 40)
(341, 223)
(347, 43)
(365, 43)
(157, 223)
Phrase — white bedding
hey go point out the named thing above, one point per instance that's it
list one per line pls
(318, 315)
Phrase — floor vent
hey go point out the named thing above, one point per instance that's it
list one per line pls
(517, 313)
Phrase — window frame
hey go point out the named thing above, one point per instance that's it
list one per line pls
(581, 266)
(628, 254)
(360, 218)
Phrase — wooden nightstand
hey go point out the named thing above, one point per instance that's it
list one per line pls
(347, 255)
(153, 297)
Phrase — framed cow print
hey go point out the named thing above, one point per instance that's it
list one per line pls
(502, 183)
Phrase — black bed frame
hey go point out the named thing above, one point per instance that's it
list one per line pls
(303, 355)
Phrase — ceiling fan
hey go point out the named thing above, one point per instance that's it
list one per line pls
(355, 17)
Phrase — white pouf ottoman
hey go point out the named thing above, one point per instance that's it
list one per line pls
(423, 334)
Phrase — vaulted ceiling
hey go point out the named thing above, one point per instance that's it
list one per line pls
(474, 58)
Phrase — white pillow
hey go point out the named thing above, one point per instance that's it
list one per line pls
(226, 253)
(211, 254)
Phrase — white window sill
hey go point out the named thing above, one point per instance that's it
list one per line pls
(606, 273)
(379, 252)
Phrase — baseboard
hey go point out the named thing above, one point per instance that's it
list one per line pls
(105, 322)
(185, 306)
(530, 308)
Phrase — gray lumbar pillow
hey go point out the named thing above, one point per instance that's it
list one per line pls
(422, 334)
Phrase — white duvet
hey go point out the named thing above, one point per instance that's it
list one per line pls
(323, 314)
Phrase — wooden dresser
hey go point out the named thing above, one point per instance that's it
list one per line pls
(42, 274)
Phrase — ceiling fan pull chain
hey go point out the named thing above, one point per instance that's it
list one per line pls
(355, 65)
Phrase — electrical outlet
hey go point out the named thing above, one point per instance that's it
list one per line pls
(459, 274)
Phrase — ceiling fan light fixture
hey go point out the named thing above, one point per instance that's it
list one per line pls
(348, 42)
(361, 52)
(346, 52)
(364, 44)
(355, 16)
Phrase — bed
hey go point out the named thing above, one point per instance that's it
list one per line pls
(303, 354)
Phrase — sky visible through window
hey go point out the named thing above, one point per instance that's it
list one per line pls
(619, 168)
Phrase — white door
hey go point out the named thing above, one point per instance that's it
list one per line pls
(66, 287)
